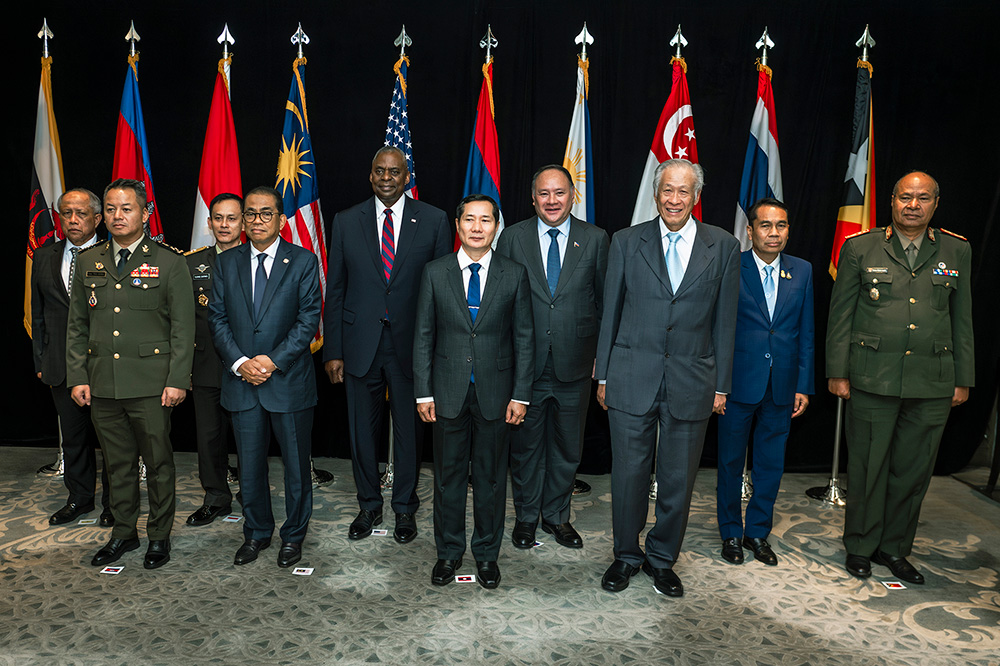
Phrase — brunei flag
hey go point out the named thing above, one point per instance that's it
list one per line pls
(858, 212)
(47, 183)
(482, 175)
(579, 158)
(131, 149)
(296, 182)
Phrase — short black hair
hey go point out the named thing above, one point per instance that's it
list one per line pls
(477, 197)
(761, 203)
(269, 191)
(225, 196)
(136, 186)
(551, 167)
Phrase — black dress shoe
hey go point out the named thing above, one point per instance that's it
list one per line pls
(113, 551)
(564, 533)
(899, 566)
(69, 513)
(444, 571)
(207, 514)
(732, 551)
(617, 576)
(289, 554)
(249, 550)
(488, 574)
(761, 550)
(859, 565)
(362, 525)
(157, 554)
(107, 519)
(580, 487)
(664, 580)
(406, 528)
(523, 534)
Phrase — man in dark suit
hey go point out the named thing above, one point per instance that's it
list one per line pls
(377, 253)
(129, 348)
(51, 278)
(225, 221)
(566, 260)
(664, 358)
(772, 379)
(472, 369)
(900, 351)
(264, 313)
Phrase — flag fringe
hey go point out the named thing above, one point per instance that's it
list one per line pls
(132, 59)
(224, 64)
(489, 84)
(585, 66)
(402, 79)
(682, 61)
(761, 67)
(302, 87)
(867, 65)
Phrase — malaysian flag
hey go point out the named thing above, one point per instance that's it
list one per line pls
(397, 130)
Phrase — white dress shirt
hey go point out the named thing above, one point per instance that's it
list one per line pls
(544, 241)
(397, 219)
(270, 252)
(684, 244)
(67, 258)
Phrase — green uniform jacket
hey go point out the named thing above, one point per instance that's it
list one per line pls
(131, 335)
(207, 368)
(897, 332)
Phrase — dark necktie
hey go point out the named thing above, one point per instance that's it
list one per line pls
(911, 255)
(474, 301)
(388, 245)
(122, 260)
(259, 285)
(552, 264)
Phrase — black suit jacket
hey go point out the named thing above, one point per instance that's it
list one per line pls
(448, 345)
(570, 320)
(357, 294)
(49, 313)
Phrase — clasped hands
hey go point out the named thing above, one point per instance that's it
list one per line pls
(257, 370)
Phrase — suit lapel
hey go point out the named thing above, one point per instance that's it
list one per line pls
(55, 270)
(406, 232)
(493, 284)
(574, 250)
(244, 276)
(928, 251)
(368, 229)
(784, 286)
(278, 269)
(894, 250)
(700, 260)
(652, 252)
(751, 278)
(532, 249)
(458, 288)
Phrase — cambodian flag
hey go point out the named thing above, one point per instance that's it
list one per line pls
(482, 176)
(761, 166)
(131, 149)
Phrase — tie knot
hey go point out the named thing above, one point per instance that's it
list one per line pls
(388, 214)
(261, 257)
(672, 236)
(474, 268)
(554, 233)
(769, 270)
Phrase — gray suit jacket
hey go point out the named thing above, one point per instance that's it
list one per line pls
(648, 331)
(568, 321)
(447, 345)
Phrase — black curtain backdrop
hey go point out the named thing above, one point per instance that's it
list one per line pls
(935, 109)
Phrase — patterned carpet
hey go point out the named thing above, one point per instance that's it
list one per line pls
(371, 601)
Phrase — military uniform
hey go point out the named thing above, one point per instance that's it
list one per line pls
(129, 336)
(903, 337)
(211, 420)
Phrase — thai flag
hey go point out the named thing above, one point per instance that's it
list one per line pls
(397, 129)
(131, 149)
(482, 175)
(761, 166)
(220, 159)
(296, 181)
(579, 158)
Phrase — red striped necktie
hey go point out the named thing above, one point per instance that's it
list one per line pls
(388, 245)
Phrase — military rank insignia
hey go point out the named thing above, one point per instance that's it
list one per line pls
(145, 270)
(873, 293)
(203, 300)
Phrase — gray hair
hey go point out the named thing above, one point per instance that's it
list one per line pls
(699, 173)
(95, 201)
(389, 149)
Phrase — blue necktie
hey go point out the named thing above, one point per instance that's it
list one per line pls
(552, 264)
(770, 293)
(259, 284)
(673, 257)
(474, 301)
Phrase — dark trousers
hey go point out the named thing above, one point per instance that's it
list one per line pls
(769, 438)
(79, 459)
(545, 450)
(484, 442)
(892, 445)
(212, 431)
(293, 431)
(366, 410)
(678, 451)
(129, 428)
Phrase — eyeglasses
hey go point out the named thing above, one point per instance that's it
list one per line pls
(264, 215)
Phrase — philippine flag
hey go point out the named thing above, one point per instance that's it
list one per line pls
(579, 158)
(482, 175)
(761, 166)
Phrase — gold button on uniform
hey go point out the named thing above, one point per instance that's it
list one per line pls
(117, 309)
(912, 326)
(118, 286)
(908, 352)
(116, 355)
(115, 334)
(156, 351)
(913, 300)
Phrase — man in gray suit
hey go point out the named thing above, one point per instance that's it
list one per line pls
(566, 261)
(664, 358)
(472, 368)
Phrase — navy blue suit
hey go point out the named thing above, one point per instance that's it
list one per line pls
(283, 330)
(772, 362)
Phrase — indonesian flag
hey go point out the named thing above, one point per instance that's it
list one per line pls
(220, 159)
(674, 139)
(761, 165)
(131, 149)
(482, 175)
(46, 183)
(858, 212)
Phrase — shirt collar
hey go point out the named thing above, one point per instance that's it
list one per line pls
(543, 228)
(464, 259)
(271, 250)
(131, 248)
(760, 262)
(688, 231)
(396, 208)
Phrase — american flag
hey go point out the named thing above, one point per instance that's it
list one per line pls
(397, 130)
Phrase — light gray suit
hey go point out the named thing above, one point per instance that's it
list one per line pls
(664, 356)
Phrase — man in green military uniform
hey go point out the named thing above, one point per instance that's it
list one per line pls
(129, 347)
(899, 349)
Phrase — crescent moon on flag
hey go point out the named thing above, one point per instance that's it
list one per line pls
(672, 127)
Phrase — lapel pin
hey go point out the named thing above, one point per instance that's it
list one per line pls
(413, 220)
(941, 264)
(285, 260)
(98, 265)
(145, 248)
(575, 244)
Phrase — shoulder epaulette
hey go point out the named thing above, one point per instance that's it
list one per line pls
(953, 234)
(170, 247)
(102, 244)
(859, 233)
(197, 250)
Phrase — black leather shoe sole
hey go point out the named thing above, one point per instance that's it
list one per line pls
(113, 551)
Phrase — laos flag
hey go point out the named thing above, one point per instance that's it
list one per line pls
(482, 175)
